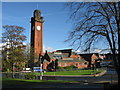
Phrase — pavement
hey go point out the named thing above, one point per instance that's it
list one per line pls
(104, 77)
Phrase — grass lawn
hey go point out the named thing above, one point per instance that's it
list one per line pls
(75, 72)
(21, 82)
(14, 82)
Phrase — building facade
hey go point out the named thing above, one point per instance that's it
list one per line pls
(64, 58)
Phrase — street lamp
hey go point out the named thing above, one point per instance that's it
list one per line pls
(41, 74)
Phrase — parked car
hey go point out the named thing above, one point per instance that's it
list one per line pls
(105, 63)
(26, 70)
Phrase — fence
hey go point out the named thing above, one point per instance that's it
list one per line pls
(32, 75)
(73, 69)
(15, 75)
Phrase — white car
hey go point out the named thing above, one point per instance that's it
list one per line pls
(26, 70)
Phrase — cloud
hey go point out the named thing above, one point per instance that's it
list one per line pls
(2, 44)
(101, 51)
(49, 49)
(78, 51)
(97, 51)
(105, 51)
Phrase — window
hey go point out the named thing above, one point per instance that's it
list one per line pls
(82, 64)
(65, 64)
(60, 64)
(76, 64)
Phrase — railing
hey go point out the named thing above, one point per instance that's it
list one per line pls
(73, 69)
(33, 75)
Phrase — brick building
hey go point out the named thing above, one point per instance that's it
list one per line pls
(63, 58)
(93, 59)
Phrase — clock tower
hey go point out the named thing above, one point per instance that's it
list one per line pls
(37, 33)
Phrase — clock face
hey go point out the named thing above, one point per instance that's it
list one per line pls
(38, 27)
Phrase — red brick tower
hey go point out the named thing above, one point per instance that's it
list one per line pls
(37, 34)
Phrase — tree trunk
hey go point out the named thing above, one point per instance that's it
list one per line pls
(117, 68)
(118, 25)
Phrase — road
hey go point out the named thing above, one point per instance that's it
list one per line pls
(110, 76)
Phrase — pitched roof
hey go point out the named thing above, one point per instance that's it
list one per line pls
(75, 60)
(87, 57)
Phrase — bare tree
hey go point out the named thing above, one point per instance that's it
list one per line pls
(96, 22)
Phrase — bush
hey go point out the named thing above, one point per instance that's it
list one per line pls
(70, 67)
(8, 70)
(59, 67)
(29, 76)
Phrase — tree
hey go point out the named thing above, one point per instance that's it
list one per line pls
(13, 50)
(96, 22)
(29, 52)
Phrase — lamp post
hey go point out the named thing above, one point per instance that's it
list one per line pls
(41, 74)
(54, 68)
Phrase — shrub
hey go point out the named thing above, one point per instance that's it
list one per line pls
(29, 76)
(8, 70)
(70, 67)
(59, 67)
